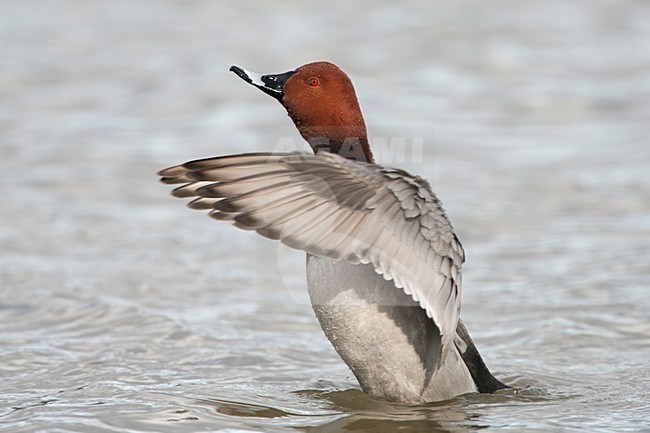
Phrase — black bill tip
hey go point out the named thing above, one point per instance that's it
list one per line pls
(240, 73)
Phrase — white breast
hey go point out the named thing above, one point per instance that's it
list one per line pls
(385, 337)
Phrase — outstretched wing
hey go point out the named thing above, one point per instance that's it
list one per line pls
(329, 206)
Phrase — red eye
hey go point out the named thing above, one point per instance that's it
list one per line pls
(313, 82)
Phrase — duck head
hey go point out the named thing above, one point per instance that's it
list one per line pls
(320, 99)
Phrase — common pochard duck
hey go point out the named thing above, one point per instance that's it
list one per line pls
(383, 261)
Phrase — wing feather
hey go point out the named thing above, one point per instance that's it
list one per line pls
(341, 209)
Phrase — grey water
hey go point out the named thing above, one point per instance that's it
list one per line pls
(122, 310)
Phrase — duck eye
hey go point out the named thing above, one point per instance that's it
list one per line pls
(313, 82)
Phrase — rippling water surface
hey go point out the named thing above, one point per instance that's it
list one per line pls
(121, 310)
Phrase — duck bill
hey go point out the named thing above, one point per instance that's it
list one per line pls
(271, 84)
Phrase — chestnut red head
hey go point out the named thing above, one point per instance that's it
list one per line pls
(320, 99)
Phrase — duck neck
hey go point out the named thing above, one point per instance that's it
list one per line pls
(345, 137)
(350, 147)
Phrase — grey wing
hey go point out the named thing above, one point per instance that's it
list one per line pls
(329, 206)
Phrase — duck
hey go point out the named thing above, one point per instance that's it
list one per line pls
(383, 261)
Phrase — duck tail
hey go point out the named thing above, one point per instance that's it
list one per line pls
(485, 382)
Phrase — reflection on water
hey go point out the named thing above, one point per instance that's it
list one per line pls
(123, 311)
(353, 410)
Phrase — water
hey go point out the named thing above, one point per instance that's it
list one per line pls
(121, 310)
